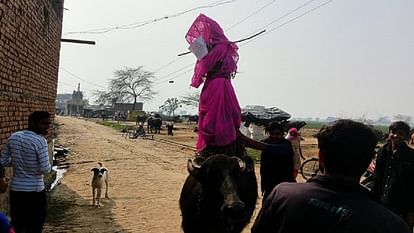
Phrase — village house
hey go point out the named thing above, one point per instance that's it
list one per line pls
(30, 34)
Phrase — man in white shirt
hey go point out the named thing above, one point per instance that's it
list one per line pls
(27, 152)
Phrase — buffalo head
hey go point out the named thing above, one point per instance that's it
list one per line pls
(222, 178)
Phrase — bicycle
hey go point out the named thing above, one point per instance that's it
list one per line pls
(368, 180)
(310, 168)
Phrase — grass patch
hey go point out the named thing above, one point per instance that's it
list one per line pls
(314, 124)
(382, 128)
(318, 125)
(56, 210)
(111, 124)
(254, 154)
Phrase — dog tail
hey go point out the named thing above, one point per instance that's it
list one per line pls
(100, 164)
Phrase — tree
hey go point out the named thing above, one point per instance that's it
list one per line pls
(106, 97)
(191, 100)
(131, 84)
(170, 105)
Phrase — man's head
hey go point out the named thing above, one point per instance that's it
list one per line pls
(399, 132)
(275, 131)
(346, 148)
(39, 122)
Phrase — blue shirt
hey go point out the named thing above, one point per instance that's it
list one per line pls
(27, 153)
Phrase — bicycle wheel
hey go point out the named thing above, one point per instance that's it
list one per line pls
(301, 154)
(310, 168)
(368, 182)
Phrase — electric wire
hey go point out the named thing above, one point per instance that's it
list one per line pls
(144, 23)
(228, 29)
(289, 21)
(251, 15)
(82, 79)
(273, 29)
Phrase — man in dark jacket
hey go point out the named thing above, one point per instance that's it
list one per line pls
(394, 172)
(335, 201)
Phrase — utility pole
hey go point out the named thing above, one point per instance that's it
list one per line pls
(77, 100)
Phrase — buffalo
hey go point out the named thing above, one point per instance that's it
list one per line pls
(293, 124)
(192, 119)
(154, 123)
(141, 119)
(219, 195)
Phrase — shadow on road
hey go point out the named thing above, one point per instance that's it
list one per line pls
(69, 212)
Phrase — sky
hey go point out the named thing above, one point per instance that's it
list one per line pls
(347, 58)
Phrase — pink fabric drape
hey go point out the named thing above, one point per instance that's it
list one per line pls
(219, 109)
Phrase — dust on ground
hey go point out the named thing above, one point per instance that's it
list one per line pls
(145, 179)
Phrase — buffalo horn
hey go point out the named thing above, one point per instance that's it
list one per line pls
(193, 167)
(241, 163)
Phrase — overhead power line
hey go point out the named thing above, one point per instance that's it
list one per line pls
(290, 20)
(262, 32)
(75, 76)
(167, 76)
(289, 13)
(176, 76)
(74, 86)
(268, 31)
(168, 64)
(228, 29)
(67, 84)
(143, 23)
(251, 15)
(237, 41)
(272, 22)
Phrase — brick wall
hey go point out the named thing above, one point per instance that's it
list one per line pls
(30, 32)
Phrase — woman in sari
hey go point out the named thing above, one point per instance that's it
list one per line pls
(219, 109)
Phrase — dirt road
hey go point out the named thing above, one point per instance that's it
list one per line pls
(145, 178)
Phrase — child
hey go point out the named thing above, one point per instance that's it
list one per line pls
(5, 226)
(294, 138)
(275, 168)
(170, 127)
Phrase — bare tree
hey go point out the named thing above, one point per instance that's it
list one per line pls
(170, 105)
(106, 97)
(131, 84)
(191, 100)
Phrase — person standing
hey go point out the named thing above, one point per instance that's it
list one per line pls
(170, 127)
(294, 137)
(335, 201)
(394, 173)
(218, 110)
(27, 152)
(103, 115)
(276, 166)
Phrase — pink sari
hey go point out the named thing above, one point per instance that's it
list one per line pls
(219, 109)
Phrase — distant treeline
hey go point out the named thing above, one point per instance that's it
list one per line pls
(319, 124)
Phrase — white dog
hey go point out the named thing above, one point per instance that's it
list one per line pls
(100, 176)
